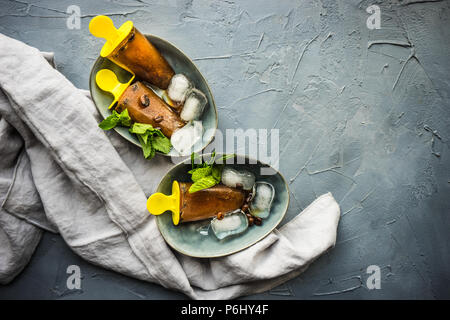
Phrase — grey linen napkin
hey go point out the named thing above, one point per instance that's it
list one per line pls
(61, 173)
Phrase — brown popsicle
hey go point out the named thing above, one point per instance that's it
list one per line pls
(144, 106)
(138, 55)
(208, 202)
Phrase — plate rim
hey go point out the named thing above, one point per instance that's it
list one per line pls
(213, 102)
(186, 161)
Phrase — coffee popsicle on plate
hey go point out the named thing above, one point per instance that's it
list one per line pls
(144, 106)
(199, 205)
(131, 50)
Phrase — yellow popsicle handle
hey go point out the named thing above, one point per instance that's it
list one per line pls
(103, 27)
(107, 81)
(159, 203)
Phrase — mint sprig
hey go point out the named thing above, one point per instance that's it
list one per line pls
(203, 183)
(206, 174)
(115, 119)
(151, 139)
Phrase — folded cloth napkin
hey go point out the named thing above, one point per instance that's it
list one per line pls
(60, 172)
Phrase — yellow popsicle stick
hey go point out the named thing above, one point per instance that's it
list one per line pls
(103, 27)
(107, 81)
(159, 203)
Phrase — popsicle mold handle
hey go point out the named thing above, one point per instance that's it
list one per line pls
(103, 27)
(159, 203)
(107, 81)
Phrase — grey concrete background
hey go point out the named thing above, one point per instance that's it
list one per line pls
(362, 113)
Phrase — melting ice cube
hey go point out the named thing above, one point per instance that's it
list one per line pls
(179, 87)
(262, 201)
(202, 227)
(232, 223)
(183, 140)
(233, 178)
(194, 105)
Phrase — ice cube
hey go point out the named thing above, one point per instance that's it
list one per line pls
(232, 223)
(184, 139)
(179, 87)
(202, 227)
(193, 105)
(262, 201)
(234, 178)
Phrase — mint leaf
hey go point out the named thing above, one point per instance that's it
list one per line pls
(205, 172)
(161, 144)
(151, 139)
(114, 119)
(203, 183)
(200, 173)
(147, 148)
(216, 172)
(144, 136)
(141, 128)
(159, 133)
(109, 123)
(152, 151)
(124, 118)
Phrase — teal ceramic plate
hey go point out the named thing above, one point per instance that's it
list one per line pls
(180, 64)
(188, 237)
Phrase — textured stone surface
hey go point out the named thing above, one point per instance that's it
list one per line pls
(362, 113)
